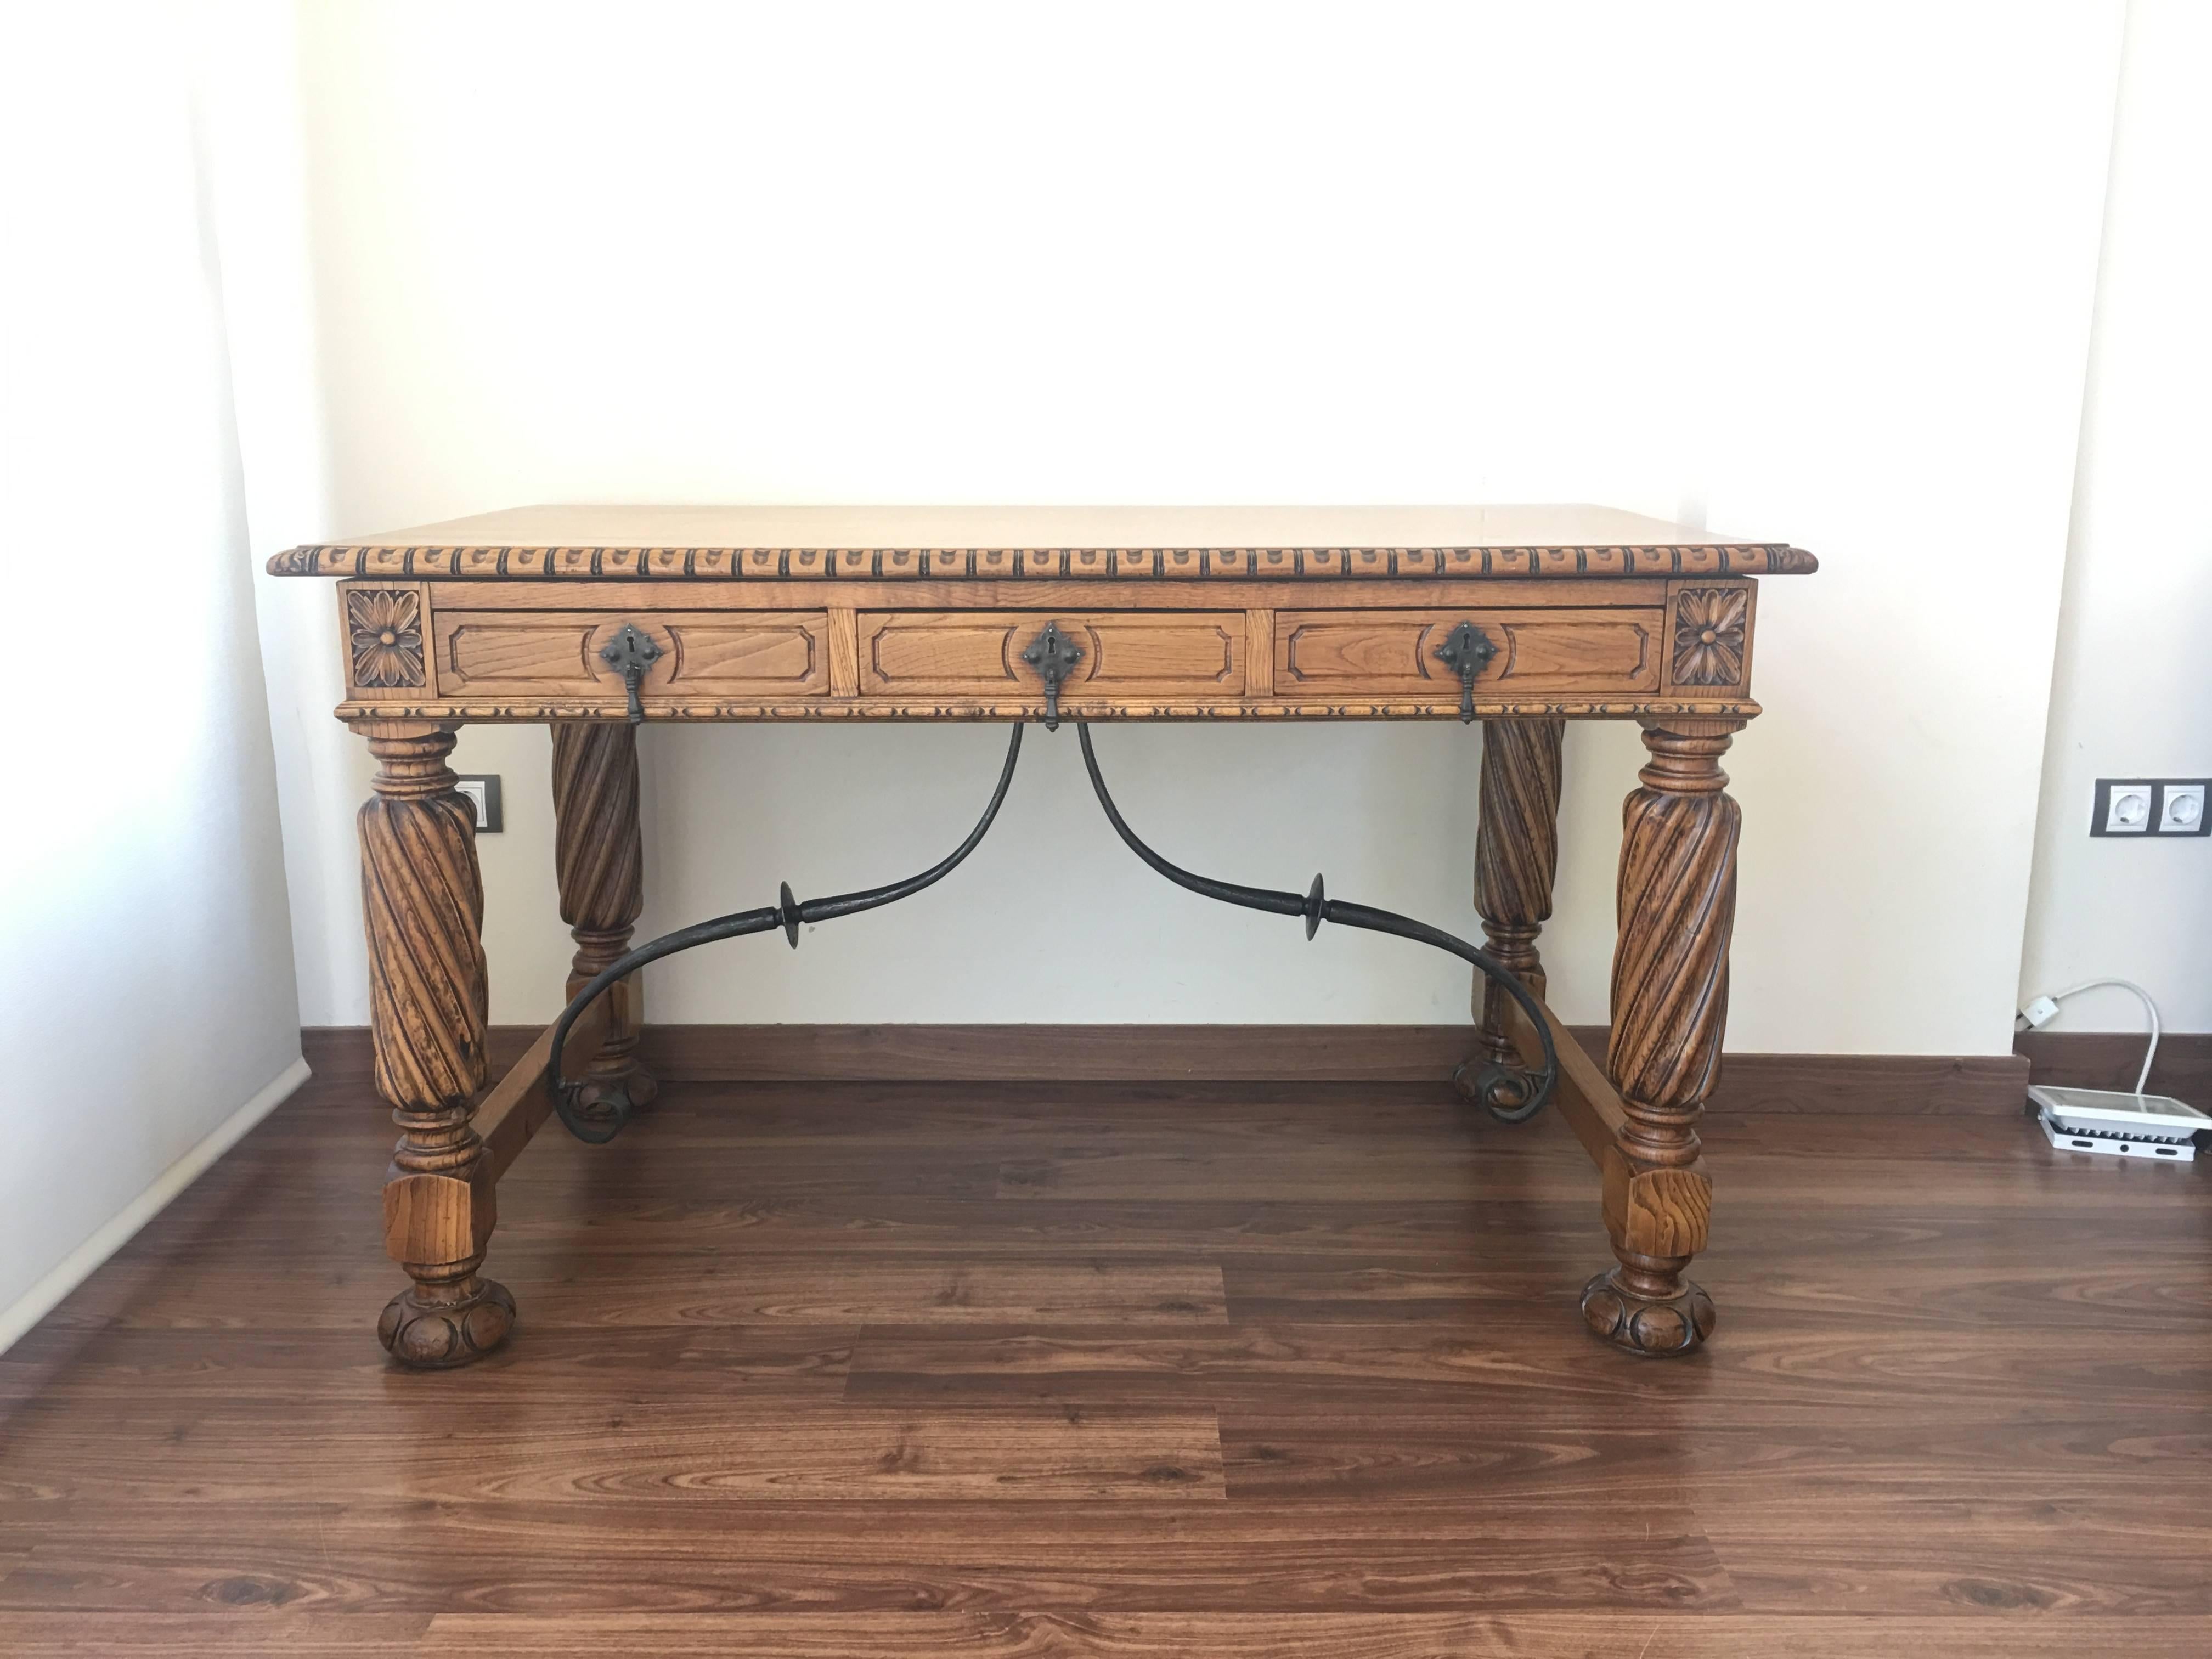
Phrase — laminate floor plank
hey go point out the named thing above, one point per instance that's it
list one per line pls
(1390, 1635)
(556, 1451)
(217, 1635)
(1522, 1364)
(194, 1367)
(1115, 1370)
(2158, 1467)
(2020, 1295)
(706, 1555)
(212, 1293)
(925, 1635)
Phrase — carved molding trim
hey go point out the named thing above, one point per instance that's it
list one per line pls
(1710, 624)
(1050, 563)
(1728, 709)
(384, 629)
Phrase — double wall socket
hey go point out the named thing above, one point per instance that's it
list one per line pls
(2150, 806)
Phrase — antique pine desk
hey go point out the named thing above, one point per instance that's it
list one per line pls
(590, 618)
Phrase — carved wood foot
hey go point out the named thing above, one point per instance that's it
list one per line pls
(1646, 1306)
(599, 857)
(437, 1327)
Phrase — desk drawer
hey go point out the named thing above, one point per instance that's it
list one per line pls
(556, 654)
(979, 652)
(1393, 653)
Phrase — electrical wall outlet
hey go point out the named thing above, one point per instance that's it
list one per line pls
(2150, 806)
(485, 791)
(2123, 807)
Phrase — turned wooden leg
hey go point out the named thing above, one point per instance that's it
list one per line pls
(423, 902)
(600, 857)
(1516, 854)
(1669, 1009)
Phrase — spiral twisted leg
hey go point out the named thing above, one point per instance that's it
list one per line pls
(600, 857)
(1669, 1011)
(422, 906)
(1516, 854)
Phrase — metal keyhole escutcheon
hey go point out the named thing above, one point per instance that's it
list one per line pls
(1466, 650)
(630, 654)
(1054, 655)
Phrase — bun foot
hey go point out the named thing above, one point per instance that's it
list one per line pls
(1648, 1324)
(436, 1328)
(616, 1091)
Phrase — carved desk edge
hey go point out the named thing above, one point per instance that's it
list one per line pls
(976, 564)
(699, 711)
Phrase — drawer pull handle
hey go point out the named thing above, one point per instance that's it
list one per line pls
(630, 654)
(1054, 655)
(1466, 651)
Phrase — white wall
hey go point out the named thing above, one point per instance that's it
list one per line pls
(148, 1014)
(2132, 696)
(1820, 274)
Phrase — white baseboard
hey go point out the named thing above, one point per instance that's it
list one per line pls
(78, 1265)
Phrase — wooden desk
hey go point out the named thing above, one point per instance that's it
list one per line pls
(589, 617)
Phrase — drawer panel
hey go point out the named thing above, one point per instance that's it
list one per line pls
(1393, 653)
(719, 653)
(979, 652)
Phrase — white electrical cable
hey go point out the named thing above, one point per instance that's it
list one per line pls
(2149, 1007)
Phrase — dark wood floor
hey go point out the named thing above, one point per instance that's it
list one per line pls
(1104, 1370)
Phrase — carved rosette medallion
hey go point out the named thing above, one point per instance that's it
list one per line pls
(1710, 624)
(383, 626)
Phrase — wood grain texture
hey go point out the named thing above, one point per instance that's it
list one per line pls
(1260, 652)
(598, 856)
(844, 651)
(915, 1635)
(1392, 653)
(794, 1383)
(486, 654)
(520, 1102)
(1009, 592)
(422, 907)
(979, 652)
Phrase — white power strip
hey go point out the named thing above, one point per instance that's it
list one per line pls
(2155, 1127)
(2066, 1140)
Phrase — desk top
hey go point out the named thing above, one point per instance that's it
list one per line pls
(534, 542)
